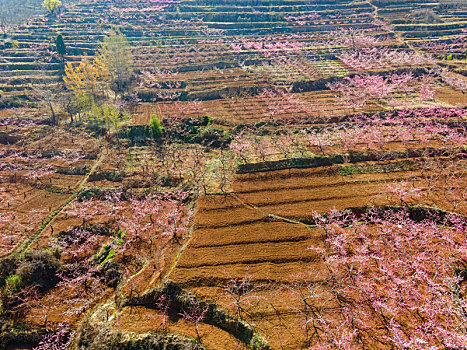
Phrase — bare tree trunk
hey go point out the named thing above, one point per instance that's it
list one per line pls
(52, 111)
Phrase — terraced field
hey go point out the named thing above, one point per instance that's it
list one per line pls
(192, 210)
(260, 229)
(199, 40)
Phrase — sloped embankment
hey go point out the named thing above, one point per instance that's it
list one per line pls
(180, 299)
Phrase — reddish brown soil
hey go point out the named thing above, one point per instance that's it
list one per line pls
(246, 230)
(29, 198)
(235, 234)
(451, 96)
(140, 319)
(253, 109)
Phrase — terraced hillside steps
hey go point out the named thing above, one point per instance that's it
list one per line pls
(165, 38)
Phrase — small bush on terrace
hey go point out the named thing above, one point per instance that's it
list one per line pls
(155, 126)
(14, 283)
(39, 268)
(207, 120)
(60, 46)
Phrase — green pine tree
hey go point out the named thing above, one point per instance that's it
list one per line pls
(60, 46)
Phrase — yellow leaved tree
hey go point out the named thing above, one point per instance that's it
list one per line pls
(95, 83)
(51, 5)
(88, 78)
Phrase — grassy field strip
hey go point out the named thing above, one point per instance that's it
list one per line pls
(280, 218)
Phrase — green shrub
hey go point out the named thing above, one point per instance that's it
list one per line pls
(258, 342)
(60, 45)
(109, 250)
(155, 126)
(14, 283)
(207, 120)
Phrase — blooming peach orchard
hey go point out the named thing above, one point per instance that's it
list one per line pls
(230, 175)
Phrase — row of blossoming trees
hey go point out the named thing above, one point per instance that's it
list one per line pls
(284, 59)
(389, 280)
(392, 277)
(397, 282)
(364, 68)
(32, 170)
(362, 132)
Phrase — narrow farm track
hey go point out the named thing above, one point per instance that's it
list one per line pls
(49, 220)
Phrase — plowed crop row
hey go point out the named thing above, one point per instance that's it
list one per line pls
(236, 233)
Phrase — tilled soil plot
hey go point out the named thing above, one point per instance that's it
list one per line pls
(254, 231)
